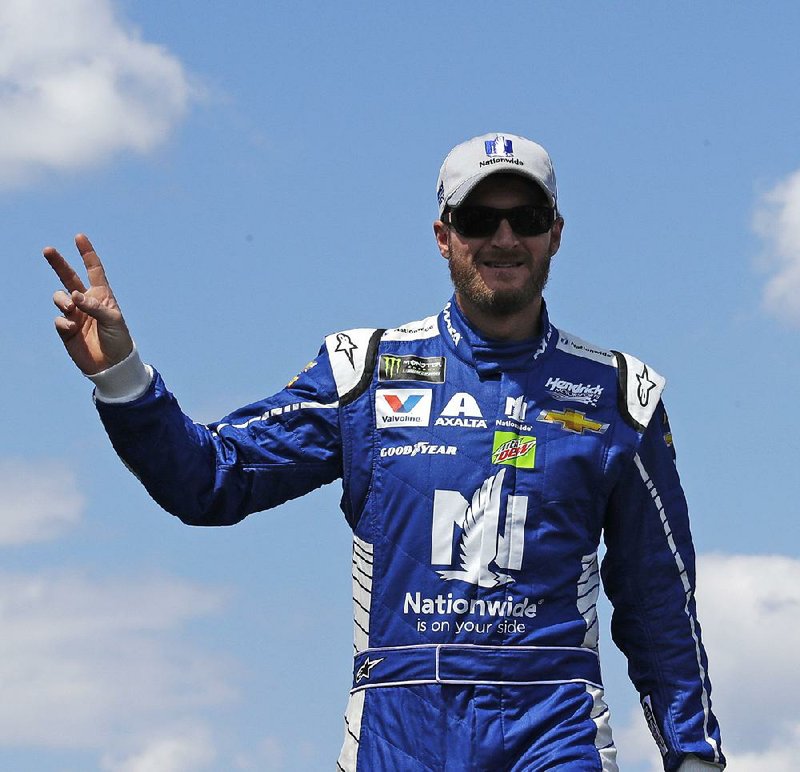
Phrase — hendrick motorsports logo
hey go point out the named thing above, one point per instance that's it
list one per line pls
(566, 391)
(408, 367)
(511, 449)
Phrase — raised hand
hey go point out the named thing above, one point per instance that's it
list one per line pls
(92, 327)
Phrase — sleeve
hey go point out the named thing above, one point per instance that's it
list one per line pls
(255, 458)
(649, 575)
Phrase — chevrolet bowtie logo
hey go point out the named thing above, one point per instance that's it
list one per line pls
(572, 421)
(366, 668)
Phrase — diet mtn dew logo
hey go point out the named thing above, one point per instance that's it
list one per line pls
(511, 449)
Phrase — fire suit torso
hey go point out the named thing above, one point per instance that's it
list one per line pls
(478, 479)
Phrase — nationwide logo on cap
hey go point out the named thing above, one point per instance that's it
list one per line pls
(499, 146)
(499, 150)
(572, 421)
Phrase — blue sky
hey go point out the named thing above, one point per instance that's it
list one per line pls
(259, 175)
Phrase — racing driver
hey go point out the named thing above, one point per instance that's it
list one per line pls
(482, 452)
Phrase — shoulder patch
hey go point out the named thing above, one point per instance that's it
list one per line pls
(640, 390)
(352, 356)
(574, 345)
(424, 328)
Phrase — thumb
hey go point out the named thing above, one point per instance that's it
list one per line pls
(97, 310)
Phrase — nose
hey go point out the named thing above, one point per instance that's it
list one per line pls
(504, 237)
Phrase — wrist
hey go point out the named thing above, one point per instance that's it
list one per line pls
(123, 382)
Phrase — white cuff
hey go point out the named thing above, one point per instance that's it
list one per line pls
(123, 382)
(693, 764)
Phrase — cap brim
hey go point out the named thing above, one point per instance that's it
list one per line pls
(459, 195)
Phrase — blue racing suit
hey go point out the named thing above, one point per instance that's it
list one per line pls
(478, 478)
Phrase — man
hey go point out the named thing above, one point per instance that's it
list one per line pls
(482, 453)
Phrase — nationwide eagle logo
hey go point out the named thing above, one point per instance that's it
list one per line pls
(480, 544)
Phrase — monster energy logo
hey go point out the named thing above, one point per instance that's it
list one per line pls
(408, 367)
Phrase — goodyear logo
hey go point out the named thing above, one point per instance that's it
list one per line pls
(512, 449)
(572, 421)
(408, 367)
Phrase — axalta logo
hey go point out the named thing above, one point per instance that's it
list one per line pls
(419, 448)
(566, 391)
(511, 449)
(461, 410)
(471, 529)
(399, 407)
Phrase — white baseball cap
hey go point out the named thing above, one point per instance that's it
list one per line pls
(472, 161)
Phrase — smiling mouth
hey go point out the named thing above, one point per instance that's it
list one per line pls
(503, 263)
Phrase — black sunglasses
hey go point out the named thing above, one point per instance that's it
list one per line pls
(481, 221)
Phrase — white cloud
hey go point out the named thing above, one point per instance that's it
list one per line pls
(100, 664)
(270, 754)
(749, 607)
(39, 501)
(188, 751)
(777, 221)
(77, 85)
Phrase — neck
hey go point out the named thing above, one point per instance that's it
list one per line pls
(519, 325)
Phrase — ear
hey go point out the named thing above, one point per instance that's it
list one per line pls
(442, 233)
(555, 235)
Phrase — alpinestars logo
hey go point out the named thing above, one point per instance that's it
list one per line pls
(366, 669)
(646, 385)
(483, 551)
(345, 344)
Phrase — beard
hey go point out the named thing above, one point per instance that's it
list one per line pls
(470, 286)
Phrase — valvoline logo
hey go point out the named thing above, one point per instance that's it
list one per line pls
(399, 406)
(402, 407)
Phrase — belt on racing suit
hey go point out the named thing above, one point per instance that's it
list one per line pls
(475, 664)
